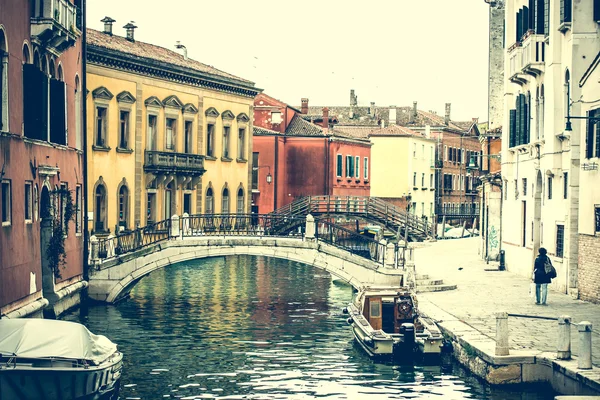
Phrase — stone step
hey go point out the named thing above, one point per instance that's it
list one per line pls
(435, 288)
(421, 277)
(429, 282)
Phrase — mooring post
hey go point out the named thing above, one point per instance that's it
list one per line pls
(563, 349)
(94, 250)
(174, 226)
(310, 227)
(585, 345)
(501, 334)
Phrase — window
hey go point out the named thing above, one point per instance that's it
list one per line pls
(6, 203)
(100, 209)
(225, 202)
(375, 308)
(461, 156)
(592, 145)
(28, 202)
(597, 217)
(255, 171)
(423, 180)
(101, 140)
(35, 202)
(423, 151)
(505, 190)
(414, 150)
(549, 188)
(565, 11)
(597, 11)
(210, 140)
(519, 123)
(241, 144)
(209, 202)
(189, 136)
(349, 166)
(357, 167)
(151, 208)
(339, 165)
(431, 181)
(187, 203)
(366, 168)
(3, 83)
(124, 130)
(414, 179)
(151, 140)
(240, 201)
(168, 204)
(445, 153)
(565, 184)
(524, 186)
(275, 117)
(170, 134)
(78, 209)
(560, 240)
(226, 131)
(123, 207)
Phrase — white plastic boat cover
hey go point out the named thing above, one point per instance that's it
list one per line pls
(37, 338)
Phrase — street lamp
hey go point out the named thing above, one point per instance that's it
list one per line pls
(269, 176)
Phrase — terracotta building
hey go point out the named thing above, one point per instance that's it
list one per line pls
(303, 158)
(41, 162)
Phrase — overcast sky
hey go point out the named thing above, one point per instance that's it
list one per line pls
(392, 52)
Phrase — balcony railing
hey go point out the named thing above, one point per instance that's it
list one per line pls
(167, 162)
(57, 24)
(533, 55)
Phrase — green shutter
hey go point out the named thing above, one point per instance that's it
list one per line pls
(340, 161)
(512, 130)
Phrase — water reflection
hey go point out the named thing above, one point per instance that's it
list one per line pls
(255, 327)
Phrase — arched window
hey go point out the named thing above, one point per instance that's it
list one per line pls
(225, 202)
(45, 207)
(240, 201)
(26, 54)
(100, 208)
(169, 198)
(3, 82)
(51, 68)
(37, 61)
(123, 207)
(209, 206)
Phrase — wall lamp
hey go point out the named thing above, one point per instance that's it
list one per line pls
(269, 176)
(472, 166)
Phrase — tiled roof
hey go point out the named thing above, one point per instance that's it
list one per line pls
(464, 125)
(354, 131)
(396, 130)
(317, 117)
(259, 131)
(156, 53)
(300, 127)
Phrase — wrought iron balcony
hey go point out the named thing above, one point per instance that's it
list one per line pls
(163, 162)
(57, 24)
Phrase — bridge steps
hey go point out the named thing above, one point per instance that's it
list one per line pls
(424, 283)
(435, 288)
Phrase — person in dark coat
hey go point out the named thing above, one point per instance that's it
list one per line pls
(540, 277)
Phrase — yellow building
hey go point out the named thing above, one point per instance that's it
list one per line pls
(165, 134)
(402, 168)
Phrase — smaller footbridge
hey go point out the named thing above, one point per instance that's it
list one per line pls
(117, 263)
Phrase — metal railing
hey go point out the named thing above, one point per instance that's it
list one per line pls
(240, 225)
(127, 242)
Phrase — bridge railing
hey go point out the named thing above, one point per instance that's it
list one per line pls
(238, 225)
(350, 241)
(112, 246)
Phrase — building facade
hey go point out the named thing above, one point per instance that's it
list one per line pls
(41, 163)
(408, 181)
(166, 134)
(549, 45)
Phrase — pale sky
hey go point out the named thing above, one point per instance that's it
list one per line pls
(392, 52)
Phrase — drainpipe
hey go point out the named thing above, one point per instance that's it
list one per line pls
(86, 274)
(276, 173)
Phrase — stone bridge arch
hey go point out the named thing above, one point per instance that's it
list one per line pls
(112, 280)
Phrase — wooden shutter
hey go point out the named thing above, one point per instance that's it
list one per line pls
(525, 23)
(35, 100)
(562, 11)
(596, 10)
(57, 112)
(519, 25)
(596, 130)
(512, 130)
(539, 17)
(546, 17)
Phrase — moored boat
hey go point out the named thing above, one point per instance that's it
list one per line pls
(386, 323)
(52, 360)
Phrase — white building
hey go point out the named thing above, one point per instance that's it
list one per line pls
(550, 44)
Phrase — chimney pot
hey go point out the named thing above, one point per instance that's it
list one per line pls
(353, 98)
(325, 123)
(414, 108)
(108, 21)
(447, 117)
(129, 28)
(304, 108)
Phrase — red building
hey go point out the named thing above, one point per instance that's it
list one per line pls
(41, 158)
(294, 157)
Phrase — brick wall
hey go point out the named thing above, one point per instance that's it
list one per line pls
(589, 268)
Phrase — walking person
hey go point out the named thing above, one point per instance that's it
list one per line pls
(542, 276)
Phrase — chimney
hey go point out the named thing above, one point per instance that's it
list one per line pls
(428, 131)
(353, 98)
(475, 120)
(325, 123)
(304, 109)
(130, 27)
(414, 110)
(178, 45)
(447, 117)
(372, 109)
(108, 21)
(392, 118)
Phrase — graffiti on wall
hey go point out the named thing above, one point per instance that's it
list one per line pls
(493, 238)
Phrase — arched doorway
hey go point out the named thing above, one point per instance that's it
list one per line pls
(100, 208)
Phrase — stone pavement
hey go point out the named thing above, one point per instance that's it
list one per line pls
(480, 294)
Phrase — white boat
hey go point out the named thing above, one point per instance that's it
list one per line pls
(56, 360)
(386, 323)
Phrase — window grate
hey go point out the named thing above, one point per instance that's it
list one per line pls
(560, 240)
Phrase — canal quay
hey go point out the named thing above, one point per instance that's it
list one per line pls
(261, 328)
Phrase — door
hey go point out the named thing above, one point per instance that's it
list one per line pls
(375, 312)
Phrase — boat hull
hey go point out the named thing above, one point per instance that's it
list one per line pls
(62, 382)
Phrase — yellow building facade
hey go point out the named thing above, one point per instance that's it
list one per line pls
(166, 135)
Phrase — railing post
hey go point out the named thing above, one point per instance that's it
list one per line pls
(390, 256)
(94, 260)
(138, 236)
(585, 345)
(501, 334)
(174, 231)
(310, 227)
(563, 349)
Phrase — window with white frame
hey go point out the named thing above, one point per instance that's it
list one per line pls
(357, 167)
(445, 153)
(124, 129)
(226, 132)
(241, 144)
(6, 202)
(28, 202)
(101, 129)
(151, 133)
(210, 140)
(431, 180)
(276, 117)
(366, 168)
(339, 166)
(414, 179)
(349, 166)
(423, 180)
(170, 133)
(188, 139)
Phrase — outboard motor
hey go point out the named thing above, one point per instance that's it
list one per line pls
(405, 348)
(446, 352)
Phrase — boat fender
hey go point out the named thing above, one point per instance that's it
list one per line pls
(350, 321)
(446, 346)
(345, 310)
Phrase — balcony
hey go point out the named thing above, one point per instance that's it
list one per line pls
(515, 67)
(534, 55)
(57, 25)
(167, 163)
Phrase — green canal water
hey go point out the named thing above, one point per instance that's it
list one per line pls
(259, 328)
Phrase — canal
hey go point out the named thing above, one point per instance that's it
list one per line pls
(255, 327)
